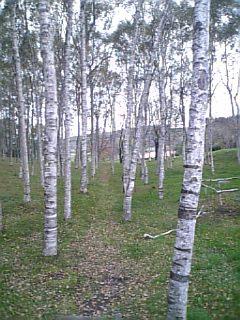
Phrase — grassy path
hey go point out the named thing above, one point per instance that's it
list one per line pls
(104, 266)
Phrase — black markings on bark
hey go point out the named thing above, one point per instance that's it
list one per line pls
(183, 250)
(184, 191)
(192, 166)
(187, 214)
(202, 80)
(178, 277)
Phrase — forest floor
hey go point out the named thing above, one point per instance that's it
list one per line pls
(105, 268)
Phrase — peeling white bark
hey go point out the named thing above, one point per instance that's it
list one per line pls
(162, 131)
(127, 131)
(24, 166)
(93, 134)
(130, 182)
(144, 167)
(84, 177)
(182, 257)
(51, 126)
(113, 137)
(68, 111)
(127, 205)
(210, 114)
(39, 136)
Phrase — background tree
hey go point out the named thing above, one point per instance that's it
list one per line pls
(23, 137)
(68, 110)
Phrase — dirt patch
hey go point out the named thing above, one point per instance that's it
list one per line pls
(109, 280)
(227, 211)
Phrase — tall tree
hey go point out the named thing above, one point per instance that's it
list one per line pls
(187, 212)
(130, 78)
(84, 176)
(21, 106)
(51, 118)
(148, 76)
(162, 130)
(68, 111)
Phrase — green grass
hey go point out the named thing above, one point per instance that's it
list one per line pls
(33, 286)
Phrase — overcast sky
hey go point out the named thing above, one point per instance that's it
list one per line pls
(220, 104)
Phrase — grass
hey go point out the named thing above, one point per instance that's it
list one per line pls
(98, 253)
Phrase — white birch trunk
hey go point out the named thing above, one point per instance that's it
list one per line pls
(144, 167)
(93, 135)
(97, 141)
(182, 257)
(84, 177)
(127, 205)
(39, 136)
(113, 138)
(78, 142)
(161, 161)
(127, 131)
(51, 124)
(24, 167)
(210, 112)
(162, 132)
(129, 187)
(68, 111)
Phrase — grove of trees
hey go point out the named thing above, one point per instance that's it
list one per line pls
(78, 68)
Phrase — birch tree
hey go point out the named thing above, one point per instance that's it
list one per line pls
(233, 98)
(20, 97)
(39, 136)
(127, 205)
(68, 111)
(148, 76)
(84, 177)
(130, 78)
(144, 167)
(187, 212)
(51, 118)
(162, 130)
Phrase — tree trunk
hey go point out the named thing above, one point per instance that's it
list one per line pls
(22, 125)
(210, 111)
(182, 257)
(68, 111)
(162, 131)
(11, 121)
(93, 136)
(232, 100)
(144, 167)
(51, 123)
(127, 205)
(39, 136)
(84, 177)
(113, 137)
(78, 142)
(127, 131)
(130, 181)
(97, 142)
(161, 162)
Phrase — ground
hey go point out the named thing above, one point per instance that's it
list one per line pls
(104, 267)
